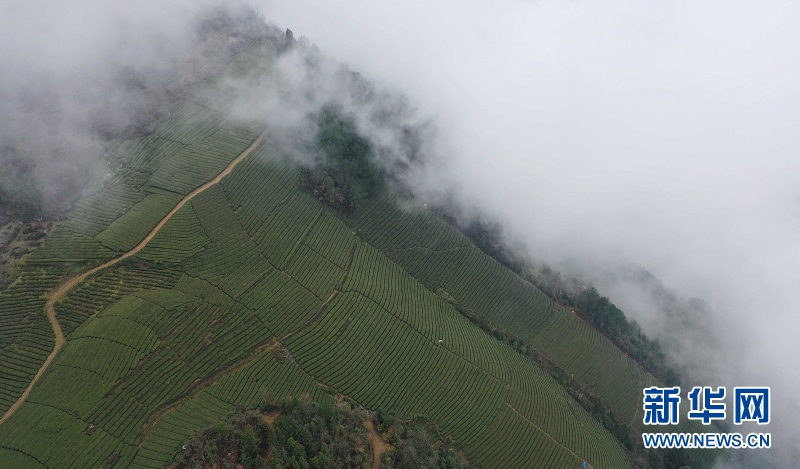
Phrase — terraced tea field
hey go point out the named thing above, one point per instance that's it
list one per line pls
(212, 280)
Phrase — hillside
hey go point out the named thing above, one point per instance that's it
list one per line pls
(223, 280)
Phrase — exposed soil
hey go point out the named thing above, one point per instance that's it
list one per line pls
(379, 446)
(270, 417)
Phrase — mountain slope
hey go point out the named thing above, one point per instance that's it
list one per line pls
(255, 287)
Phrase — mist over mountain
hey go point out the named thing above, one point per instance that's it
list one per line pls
(651, 149)
(80, 75)
(618, 134)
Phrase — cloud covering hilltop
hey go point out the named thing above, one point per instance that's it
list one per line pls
(606, 137)
(618, 134)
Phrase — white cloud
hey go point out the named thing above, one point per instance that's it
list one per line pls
(658, 133)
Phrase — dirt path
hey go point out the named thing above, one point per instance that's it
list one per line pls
(70, 283)
(378, 445)
(209, 381)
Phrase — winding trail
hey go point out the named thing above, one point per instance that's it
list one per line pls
(68, 284)
(213, 379)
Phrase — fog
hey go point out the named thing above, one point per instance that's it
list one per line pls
(614, 136)
(607, 138)
(77, 74)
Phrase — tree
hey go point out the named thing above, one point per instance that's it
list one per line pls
(344, 176)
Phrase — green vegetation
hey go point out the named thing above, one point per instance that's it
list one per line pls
(416, 444)
(584, 395)
(629, 436)
(344, 176)
(25, 335)
(243, 440)
(585, 301)
(609, 319)
(255, 288)
(442, 258)
(191, 147)
(300, 433)
(53, 145)
(17, 240)
(296, 434)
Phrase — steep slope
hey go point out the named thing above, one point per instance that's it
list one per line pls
(438, 255)
(254, 287)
